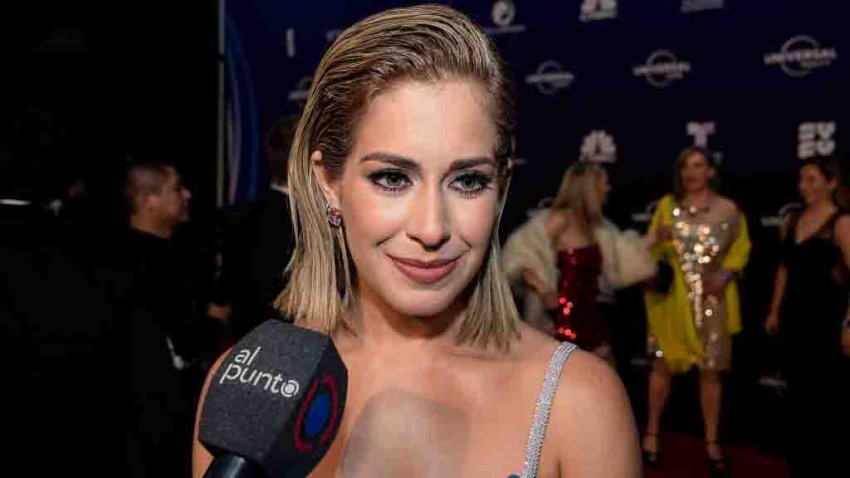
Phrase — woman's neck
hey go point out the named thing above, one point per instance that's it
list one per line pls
(822, 206)
(699, 198)
(580, 222)
(380, 326)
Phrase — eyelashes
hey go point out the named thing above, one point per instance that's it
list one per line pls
(468, 184)
(390, 180)
(472, 183)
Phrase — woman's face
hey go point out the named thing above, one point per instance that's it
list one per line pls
(419, 194)
(696, 173)
(813, 185)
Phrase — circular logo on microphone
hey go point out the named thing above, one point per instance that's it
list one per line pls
(318, 416)
(289, 389)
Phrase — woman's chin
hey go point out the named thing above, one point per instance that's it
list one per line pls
(421, 304)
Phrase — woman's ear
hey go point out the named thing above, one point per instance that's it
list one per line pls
(327, 182)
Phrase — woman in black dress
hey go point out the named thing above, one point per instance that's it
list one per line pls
(809, 310)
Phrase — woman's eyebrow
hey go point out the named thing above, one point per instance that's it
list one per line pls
(466, 163)
(400, 162)
(408, 164)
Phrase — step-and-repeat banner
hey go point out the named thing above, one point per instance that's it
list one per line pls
(763, 83)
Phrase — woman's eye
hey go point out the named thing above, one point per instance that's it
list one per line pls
(390, 180)
(471, 184)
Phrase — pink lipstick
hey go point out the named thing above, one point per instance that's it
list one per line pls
(425, 272)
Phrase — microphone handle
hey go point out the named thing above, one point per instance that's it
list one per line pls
(228, 465)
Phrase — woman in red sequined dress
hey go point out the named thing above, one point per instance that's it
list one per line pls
(574, 216)
(558, 259)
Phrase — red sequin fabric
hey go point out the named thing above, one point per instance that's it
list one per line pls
(577, 316)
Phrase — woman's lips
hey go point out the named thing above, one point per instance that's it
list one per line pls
(425, 272)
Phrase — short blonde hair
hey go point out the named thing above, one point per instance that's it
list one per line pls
(579, 192)
(420, 43)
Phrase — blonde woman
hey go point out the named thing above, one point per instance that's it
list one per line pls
(561, 256)
(706, 243)
(398, 174)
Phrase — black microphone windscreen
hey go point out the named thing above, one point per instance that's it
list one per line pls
(277, 399)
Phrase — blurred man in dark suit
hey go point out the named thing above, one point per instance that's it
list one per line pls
(163, 285)
(260, 244)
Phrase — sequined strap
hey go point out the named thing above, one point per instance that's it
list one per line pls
(544, 405)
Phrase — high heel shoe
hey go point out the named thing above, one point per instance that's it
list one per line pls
(651, 459)
(719, 466)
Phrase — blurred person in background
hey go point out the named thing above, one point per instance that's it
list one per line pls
(703, 238)
(169, 340)
(260, 243)
(563, 254)
(809, 311)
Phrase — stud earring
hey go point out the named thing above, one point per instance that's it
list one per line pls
(334, 216)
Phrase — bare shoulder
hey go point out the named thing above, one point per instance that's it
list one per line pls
(591, 429)
(585, 378)
(842, 229)
(727, 206)
(592, 422)
(788, 220)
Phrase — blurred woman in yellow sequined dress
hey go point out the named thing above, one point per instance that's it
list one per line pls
(703, 238)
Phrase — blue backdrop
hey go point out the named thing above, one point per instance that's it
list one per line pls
(761, 82)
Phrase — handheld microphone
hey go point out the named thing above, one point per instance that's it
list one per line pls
(274, 406)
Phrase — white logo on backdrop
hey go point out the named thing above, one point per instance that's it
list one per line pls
(662, 68)
(690, 6)
(290, 42)
(779, 218)
(550, 77)
(331, 35)
(645, 216)
(504, 14)
(301, 91)
(815, 139)
(593, 10)
(701, 132)
(800, 55)
(598, 147)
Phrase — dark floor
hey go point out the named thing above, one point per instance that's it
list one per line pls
(684, 456)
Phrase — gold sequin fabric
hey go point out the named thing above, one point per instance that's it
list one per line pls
(701, 247)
